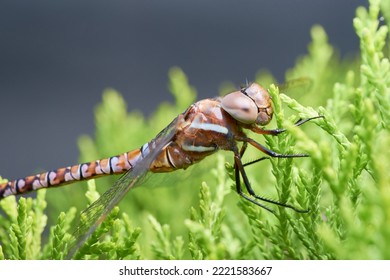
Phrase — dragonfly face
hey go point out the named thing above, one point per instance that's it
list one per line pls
(251, 105)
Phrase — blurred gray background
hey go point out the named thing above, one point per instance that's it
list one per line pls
(56, 58)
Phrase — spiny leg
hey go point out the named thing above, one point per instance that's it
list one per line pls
(242, 152)
(243, 149)
(239, 189)
(254, 161)
(302, 121)
(277, 131)
(265, 149)
(239, 168)
(270, 132)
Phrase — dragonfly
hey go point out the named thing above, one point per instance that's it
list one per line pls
(202, 129)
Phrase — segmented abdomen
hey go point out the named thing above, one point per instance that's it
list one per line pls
(112, 165)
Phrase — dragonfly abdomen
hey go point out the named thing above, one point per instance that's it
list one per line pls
(62, 176)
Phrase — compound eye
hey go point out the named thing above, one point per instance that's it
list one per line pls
(240, 107)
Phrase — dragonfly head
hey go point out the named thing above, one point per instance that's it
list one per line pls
(251, 105)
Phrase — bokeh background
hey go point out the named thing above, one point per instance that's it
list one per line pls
(56, 58)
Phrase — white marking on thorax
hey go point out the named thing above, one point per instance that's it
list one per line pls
(197, 124)
(192, 148)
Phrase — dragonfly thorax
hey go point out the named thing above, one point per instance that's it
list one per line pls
(251, 105)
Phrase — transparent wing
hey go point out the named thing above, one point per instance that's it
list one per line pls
(94, 215)
(304, 83)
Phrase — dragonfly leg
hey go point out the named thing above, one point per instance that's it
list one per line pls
(239, 168)
(255, 161)
(266, 150)
(302, 121)
(277, 131)
(238, 185)
(243, 149)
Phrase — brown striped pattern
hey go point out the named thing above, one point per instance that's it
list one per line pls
(62, 176)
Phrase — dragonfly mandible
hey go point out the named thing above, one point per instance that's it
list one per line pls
(204, 128)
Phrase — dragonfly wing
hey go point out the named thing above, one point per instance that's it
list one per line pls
(304, 83)
(94, 215)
